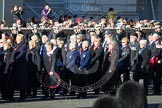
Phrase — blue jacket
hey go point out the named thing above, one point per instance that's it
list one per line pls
(72, 60)
(85, 60)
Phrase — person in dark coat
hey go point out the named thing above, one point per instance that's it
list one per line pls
(157, 79)
(48, 64)
(124, 60)
(85, 57)
(134, 45)
(4, 73)
(158, 69)
(143, 71)
(43, 50)
(65, 75)
(1, 59)
(72, 61)
(155, 51)
(97, 53)
(110, 66)
(33, 68)
(61, 45)
(18, 67)
(52, 63)
(1, 53)
(57, 57)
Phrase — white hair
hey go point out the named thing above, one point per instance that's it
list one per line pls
(72, 45)
(73, 36)
(53, 41)
(143, 41)
(86, 43)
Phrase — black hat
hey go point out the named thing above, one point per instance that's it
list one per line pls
(133, 34)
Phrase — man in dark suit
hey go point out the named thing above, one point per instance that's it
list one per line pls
(155, 51)
(19, 76)
(134, 45)
(33, 68)
(143, 71)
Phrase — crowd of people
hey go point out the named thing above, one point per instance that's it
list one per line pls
(26, 58)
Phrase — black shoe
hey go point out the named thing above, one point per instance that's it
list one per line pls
(22, 98)
(45, 97)
(52, 96)
(4, 98)
(10, 99)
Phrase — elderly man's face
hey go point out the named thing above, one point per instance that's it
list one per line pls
(155, 37)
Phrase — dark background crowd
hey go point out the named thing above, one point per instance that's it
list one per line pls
(26, 58)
